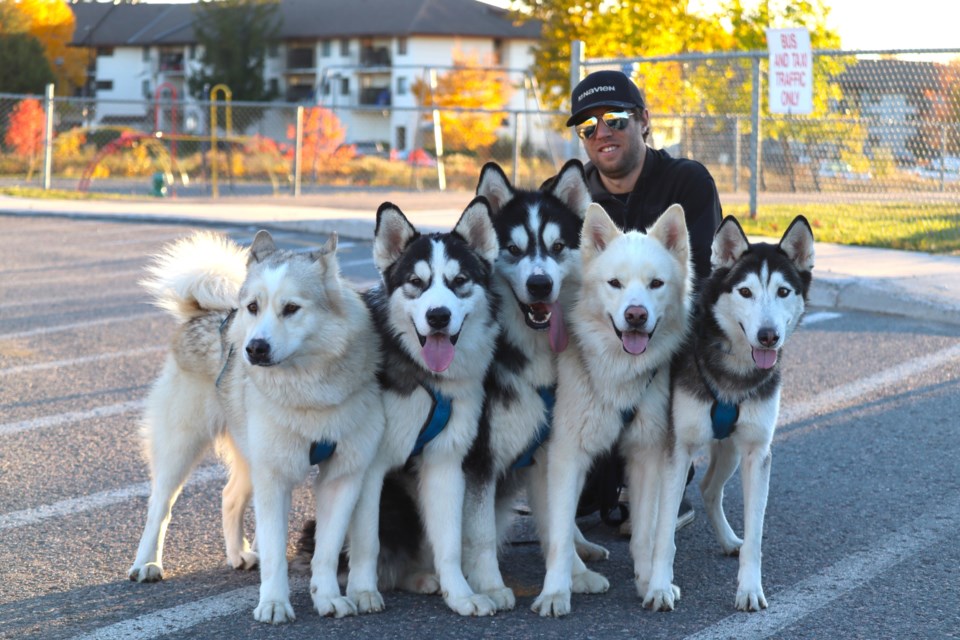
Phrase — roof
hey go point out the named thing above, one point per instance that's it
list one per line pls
(141, 24)
(892, 76)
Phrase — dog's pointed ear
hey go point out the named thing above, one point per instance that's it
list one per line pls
(598, 232)
(729, 243)
(392, 235)
(570, 187)
(329, 247)
(495, 187)
(671, 230)
(476, 227)
(262, 246)
(797, 243)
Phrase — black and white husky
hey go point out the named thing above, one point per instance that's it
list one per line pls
(537, 273)
(726, 393)
(437, 317)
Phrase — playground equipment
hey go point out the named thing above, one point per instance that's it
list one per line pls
(227, 97)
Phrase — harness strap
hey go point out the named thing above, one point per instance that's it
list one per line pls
(226, 361)
(436, 422)
(549, 397)
(320, 451)
(723, 415)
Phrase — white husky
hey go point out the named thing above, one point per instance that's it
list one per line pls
(631, 316)
(726, 392)
(274, 359)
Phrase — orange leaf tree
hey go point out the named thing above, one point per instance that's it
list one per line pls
(323, 135)
(473, 83)
(25, 132)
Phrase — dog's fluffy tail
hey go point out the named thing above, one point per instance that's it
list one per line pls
(196, 274)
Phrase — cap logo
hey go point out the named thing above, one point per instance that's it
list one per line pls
(593, 90)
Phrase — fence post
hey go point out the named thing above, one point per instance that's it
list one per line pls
(48, 134)
(943, 157)
(577, 56)
(755, 137)
(737, 153)
(516, 146)
(437, 134)
(298, 154)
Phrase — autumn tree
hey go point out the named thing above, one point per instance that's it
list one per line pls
(234, 36)
(322, 149)
(473, 83)
(51, 23)
(25, 132)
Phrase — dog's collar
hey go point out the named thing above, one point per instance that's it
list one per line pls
(320, 451)
(436, 422)
(723, 415)
(549, 396)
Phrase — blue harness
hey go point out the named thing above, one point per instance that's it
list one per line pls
(436, 422)
(320, 451)
(549, 397)
(723, 415)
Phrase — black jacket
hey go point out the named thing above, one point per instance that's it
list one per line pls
(664, 181)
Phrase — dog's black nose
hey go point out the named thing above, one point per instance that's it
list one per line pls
(768, 337)
(258, 351)
(438, 317)
(635, 316)
(539, 286)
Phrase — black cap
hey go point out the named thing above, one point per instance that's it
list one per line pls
(603, 89)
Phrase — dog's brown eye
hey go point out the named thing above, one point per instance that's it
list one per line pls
(415, 281)
(656, 283)
(783, 292)
(514, 250)
(290, 308)
(460, 280)
(253, 308)
(615, 283)
(557, 247)
(745, 292)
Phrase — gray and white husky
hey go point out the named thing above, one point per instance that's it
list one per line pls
(631, 315)
(726, 393)
(437, 315)
(274, 360)
(536, 274)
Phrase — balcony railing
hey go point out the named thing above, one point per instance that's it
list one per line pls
(375, 57)
(375, 97)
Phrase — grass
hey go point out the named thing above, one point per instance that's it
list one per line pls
(60, 194)
(934, 228)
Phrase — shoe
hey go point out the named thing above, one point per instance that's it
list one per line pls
(684, 517)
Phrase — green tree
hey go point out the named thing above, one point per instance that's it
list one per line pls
(234, 36)
(23, 68)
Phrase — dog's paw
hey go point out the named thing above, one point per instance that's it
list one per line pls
(751, 599)
(730, 546)
(552, 604)
(274, 612)
(589, 582)
(475, 604)
(662, 599)
(244, 560)
(337, 606)
(590, 552)
(503, 599)
(422, 583)
(368, 601)
(150, 572)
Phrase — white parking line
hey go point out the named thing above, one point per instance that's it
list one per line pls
(100, 500)
(819, 316)
(56, 420)
(805, 597)
(74, 362)
(42, 331)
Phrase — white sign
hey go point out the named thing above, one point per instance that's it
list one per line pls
(791, 71)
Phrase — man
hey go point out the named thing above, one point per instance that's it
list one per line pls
(635, 184)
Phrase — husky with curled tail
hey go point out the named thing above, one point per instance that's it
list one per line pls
(726, 394)
(274, 361)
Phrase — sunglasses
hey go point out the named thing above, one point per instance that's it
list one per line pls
(615, 120)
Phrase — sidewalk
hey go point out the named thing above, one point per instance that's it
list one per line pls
(915, 285)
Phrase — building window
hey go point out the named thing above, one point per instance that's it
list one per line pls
(192, 52)
(498, 52)
(274, 87)
(401, 86)
(104, 52)
(104, 85)
(344, 86)
(146, 54)
(344, 46)
(401, 144)
(146, 89)
(401, 46)
(325, 48)
(326, 86)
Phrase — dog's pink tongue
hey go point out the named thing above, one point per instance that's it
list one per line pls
(635, 342)
(558, 329)
(765, 358)
(437, 352)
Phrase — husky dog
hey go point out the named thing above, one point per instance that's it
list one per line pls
(613, 381)
(275, 361)
(726, 392)
(436, 312)
(536, 275)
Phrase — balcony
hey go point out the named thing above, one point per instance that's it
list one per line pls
(171, 64)
(375, 57)
(374, 97)
(301, 58)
